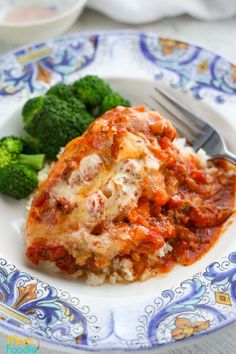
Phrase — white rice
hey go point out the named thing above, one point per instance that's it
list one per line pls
(186, 150)
(126, 269)
(62, 149)
(95, 280)
(122, 270)
(29, 202)
(77, 274)
(147, 274)
(43, 174)
(114, 278)
(49, 267)
(161, 252)
(202, 157)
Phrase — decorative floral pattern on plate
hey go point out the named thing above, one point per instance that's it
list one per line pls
(35, 67)
(201, 304)
(38, 309)
(193, 67)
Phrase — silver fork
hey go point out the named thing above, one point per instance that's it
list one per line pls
(198, 133)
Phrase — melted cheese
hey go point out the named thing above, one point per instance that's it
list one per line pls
(102, 193)
(89, 167)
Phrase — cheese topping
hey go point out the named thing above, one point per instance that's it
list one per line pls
(89, 167)
(101, 192)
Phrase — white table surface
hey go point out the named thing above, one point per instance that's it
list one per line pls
(218, 36)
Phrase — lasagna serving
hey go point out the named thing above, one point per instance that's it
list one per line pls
(126, 202)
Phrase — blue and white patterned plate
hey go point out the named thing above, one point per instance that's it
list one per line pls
(189, 301)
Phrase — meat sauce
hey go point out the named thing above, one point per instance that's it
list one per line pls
(202, 225)
(187, 213)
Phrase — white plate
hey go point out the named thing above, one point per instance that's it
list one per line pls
(125, 317)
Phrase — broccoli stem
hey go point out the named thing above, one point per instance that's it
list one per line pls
(34, 161)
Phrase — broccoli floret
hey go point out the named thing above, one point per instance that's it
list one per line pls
(30, 145)
(31, 107)
(76, 104)
(5, 157)
(62, 91)
(12, 144)
(113, 100)
(57, 123)
(10, 152)
(91, 90)
(17, 181)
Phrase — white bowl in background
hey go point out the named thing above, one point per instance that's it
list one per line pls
(23, 21)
